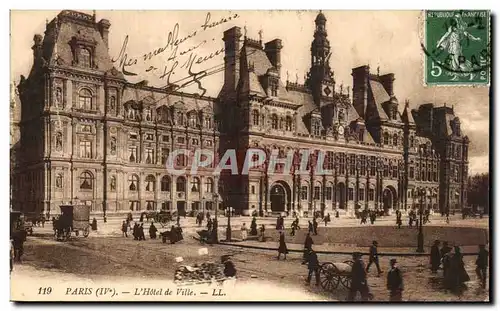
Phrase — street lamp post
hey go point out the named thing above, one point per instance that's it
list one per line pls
(216, 224)
(420, 238)
(228, 230)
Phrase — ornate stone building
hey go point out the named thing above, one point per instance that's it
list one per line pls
(90, 136)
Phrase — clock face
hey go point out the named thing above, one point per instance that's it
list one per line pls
(341, 130)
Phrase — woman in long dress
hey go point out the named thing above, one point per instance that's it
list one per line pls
(244, 232)
(282, 249)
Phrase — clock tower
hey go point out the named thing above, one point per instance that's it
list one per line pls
(320, 78)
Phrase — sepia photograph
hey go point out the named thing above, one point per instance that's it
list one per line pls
(265, 155)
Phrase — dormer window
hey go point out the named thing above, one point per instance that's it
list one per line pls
(84, 58)
(316, 128)
(288, 123)
(394, 113)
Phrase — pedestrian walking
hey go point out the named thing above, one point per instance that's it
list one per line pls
(152, 231)
(315, 226)
(253, 226)
(124, 229)
(308, 243)
(374, 258)
(482, 265)
(210, 224)
(94, 224)
(457, 275)
(135, 231)
(313, 267)
(358, 279)
(282, 249)
(142, 237)
(310, 227)
(395, 282)
(18, 239)
(262, 237)
(244, 232)
(435, 259)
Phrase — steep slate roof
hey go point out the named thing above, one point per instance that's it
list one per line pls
(380, 96)
(160, 99)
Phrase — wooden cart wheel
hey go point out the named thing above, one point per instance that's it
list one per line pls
(329, 279)
(346, 281)
(86, 232)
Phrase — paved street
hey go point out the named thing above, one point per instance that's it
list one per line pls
(105, 255)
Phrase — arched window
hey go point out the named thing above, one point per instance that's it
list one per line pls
(181, 184)
(85, 99)
(209, 185)
(84, 58)
(255, 117)
(133, 183)
(86, 181)
(395, 140)
(386, 138)
(274, 122)
(150, 183)
(165, 184)
(180, 118)
(288, 123)
(195, 184)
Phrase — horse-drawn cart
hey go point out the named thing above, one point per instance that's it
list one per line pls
(333, 274)
(73, 218)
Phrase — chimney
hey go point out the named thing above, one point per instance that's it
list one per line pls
(231, 59)
(360, 77)
(387, 81)
(103, 27)
(273, 52)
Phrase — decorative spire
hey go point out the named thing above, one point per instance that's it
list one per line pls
(407, 103)
(348, 91)
(297, 78)
(378, 70)
(93, 14)
(287, 76)
(245, 31)
(260, 35)
(341, 87)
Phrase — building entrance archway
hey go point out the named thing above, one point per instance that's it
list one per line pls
(280, 196)
(389, 199)
(340, 195)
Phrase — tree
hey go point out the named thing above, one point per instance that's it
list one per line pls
(478, 191)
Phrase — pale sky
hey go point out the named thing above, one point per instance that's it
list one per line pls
(389, 39)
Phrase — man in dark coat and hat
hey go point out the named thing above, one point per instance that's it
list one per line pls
(315, 226)
(435, 256)
(310, 227)
(313, 267)
(282, 249)
(253, 227)
(482, 264)
(142, 237)
(135, 231)
(395, 282)
(457, 275)
(445, 251)
(374, 258)
(358, 279)
(152, 231)
(308, 243)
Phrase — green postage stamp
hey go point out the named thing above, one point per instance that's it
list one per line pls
(457, 47)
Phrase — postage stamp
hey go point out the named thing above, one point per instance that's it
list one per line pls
(457, 47)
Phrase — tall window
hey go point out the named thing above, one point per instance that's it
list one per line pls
(85, 149)
(371, 194)
(352, 164)
(274, 122)
(363, 165)
(372, 166)
(195, 184)
(317, 192)
(86, 181)
(361, 194)
(329, 160)
(180, 118)
(133, 182)
(395, 171)
(84, 58)
(303, 193)
(85, 99)
(181, 184)
(350, 194)
(386, 170)
(255, 117)
(193, 120)
(149, 155)
(165, 184)
(386, 138)
(328, 193)
(341, 164)
(395, 140)
(132, 154)
(150, 183)
(412, 172)
(316, 128)
(288, 123)
(209, 185)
